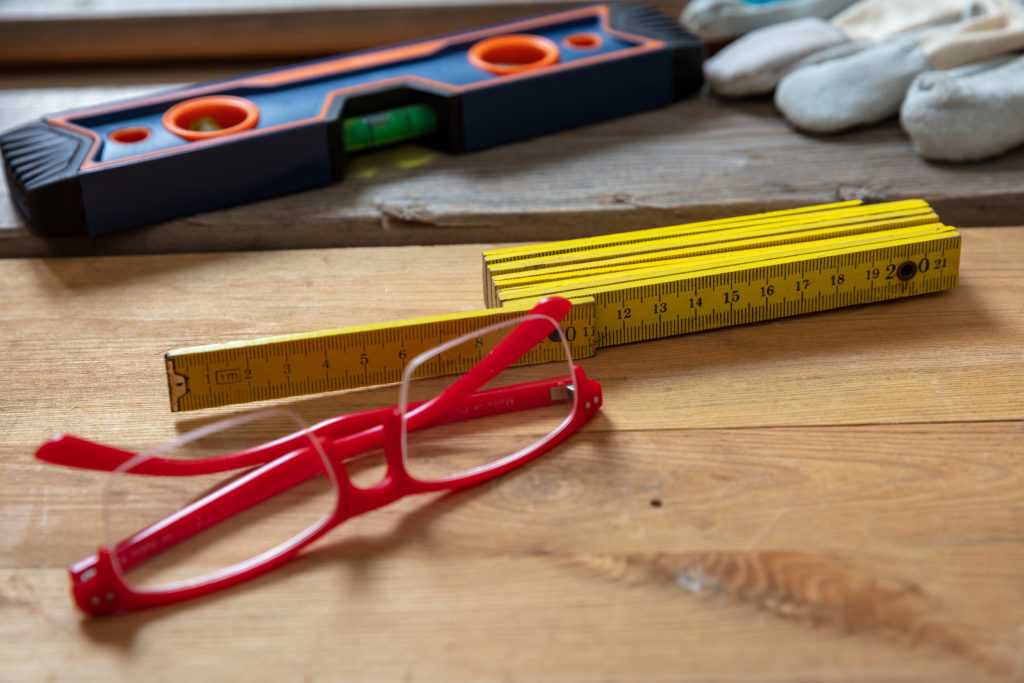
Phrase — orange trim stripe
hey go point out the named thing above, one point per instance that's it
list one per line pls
(352, 63)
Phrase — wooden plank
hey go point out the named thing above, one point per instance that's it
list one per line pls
(835, 497)
(830, 554)
(698, 159)
(68, 32)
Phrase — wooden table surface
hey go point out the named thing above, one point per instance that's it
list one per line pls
(832, 497)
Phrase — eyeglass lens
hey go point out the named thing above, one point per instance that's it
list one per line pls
(145, 506)
(459, 447)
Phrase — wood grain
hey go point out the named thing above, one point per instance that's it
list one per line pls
(699, 159)
(834, 497)
(111, 31)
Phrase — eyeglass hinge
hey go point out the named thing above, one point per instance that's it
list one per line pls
(564, 392)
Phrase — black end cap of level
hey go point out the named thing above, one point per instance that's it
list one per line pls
(687, 49)
(41, 163)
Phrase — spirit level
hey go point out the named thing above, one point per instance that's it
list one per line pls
(110, 167)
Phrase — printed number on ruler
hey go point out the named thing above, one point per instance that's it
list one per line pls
(717, 300)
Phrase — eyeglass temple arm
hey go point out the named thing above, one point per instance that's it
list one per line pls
(72, 451)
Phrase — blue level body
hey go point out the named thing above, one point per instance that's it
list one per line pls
(110, 167)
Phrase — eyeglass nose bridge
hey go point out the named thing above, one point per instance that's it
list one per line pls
(353, 499)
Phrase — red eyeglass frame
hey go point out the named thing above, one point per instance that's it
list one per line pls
(97, 585)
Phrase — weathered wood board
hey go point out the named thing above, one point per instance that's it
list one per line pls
(111, 31)
(697, 159)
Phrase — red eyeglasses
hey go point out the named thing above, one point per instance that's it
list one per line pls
(485, 423)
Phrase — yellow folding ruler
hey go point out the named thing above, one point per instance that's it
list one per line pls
(626, 287)
(347, 358)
